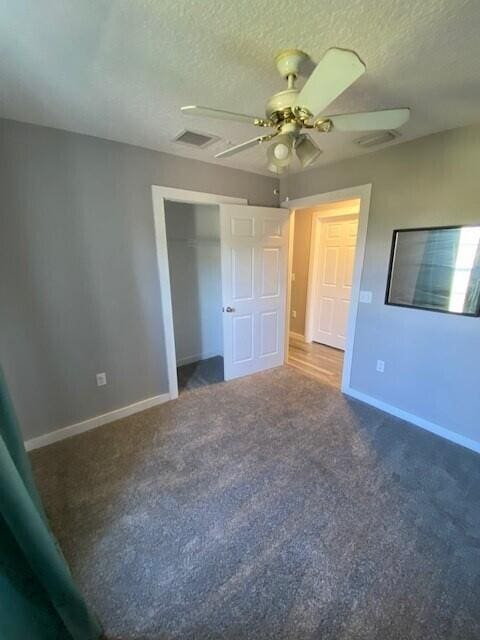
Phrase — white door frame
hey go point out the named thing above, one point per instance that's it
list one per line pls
(363, 192)
(159, 195)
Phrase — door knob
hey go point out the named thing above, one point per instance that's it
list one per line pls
(229, 309)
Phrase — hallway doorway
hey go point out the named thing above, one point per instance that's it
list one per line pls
(323, 261)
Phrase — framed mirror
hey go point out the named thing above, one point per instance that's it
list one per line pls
(437, 269)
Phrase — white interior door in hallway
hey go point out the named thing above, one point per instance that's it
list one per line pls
(335, 244)
(254, 247)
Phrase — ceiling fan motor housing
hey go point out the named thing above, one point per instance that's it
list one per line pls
(280, 111)
(280, 107)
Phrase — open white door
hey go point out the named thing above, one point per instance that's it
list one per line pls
(254, 246)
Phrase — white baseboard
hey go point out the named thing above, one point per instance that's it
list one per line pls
(468, 443)
(196, 358)
(296, 336)
(123, 412)
(93, 423)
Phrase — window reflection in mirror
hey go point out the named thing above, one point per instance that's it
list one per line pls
(436, 269)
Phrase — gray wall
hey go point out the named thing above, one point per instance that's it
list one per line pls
(300, 265)
(193, 239)
(432, 359)
(79, 290)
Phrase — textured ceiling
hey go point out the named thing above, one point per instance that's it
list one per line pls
(120, 69)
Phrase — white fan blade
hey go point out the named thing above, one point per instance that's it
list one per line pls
(241, 147)
(335, 72)
(370, 121)
(219, 114)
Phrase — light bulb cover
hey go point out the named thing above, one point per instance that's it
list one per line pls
(281, 157)
(274, 169)
(280, 151)
(307, 152)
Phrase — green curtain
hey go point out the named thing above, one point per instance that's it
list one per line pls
(38, 599)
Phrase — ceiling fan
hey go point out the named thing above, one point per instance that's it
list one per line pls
(292, 111)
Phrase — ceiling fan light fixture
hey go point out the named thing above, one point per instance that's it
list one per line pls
(274, 169)
(280, 153)
(307, 152)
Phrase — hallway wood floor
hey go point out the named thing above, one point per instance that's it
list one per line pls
(316, 360)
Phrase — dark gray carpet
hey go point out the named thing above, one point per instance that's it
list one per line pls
(269, 507)
(198, 374)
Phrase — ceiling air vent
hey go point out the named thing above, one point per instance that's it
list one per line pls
(195, 138)
(379, 137)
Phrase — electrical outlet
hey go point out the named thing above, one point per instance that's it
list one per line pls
(380, 366)
(101, 379)
(294, 313)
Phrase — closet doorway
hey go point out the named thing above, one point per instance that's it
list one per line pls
(194, 261)
(239, 249)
